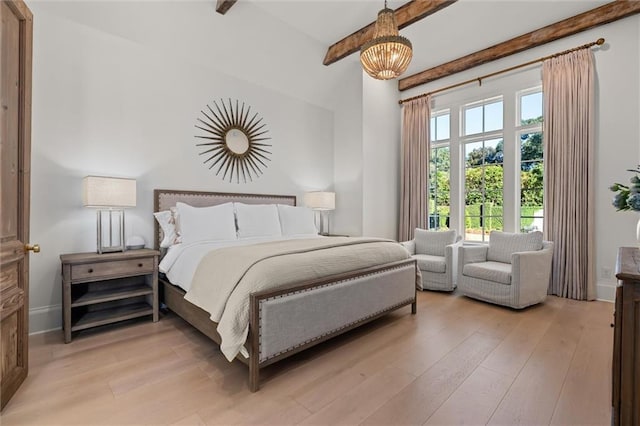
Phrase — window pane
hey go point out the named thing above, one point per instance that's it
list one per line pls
(494, 151)
(493, 223)
(531, 147)
(530, 224)
(441, 158)
(473, 154)
(442, 127)
(439, 189)
(473, 229)
(531, 182)
(531, 108)
(432, 129)
(473, 201)
(443, 217)
(484, 177)
(493, 116)
(473, 120)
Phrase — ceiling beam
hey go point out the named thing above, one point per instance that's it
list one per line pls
(406, 15)
(599, 16)
(222, 6)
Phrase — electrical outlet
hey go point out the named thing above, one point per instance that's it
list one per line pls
(606, 272)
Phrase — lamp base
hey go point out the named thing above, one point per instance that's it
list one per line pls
(112, 249)
(107, 220)
(323, 229)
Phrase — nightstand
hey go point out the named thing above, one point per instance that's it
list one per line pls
(99, 289)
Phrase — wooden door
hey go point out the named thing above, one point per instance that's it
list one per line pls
(15, 161)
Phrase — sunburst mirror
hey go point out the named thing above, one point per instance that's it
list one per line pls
(235, 141)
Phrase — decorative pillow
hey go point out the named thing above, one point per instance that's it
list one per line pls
(175, 217)
(214, 223)
(257, 220)
(503, 244)
(297, 220)
(167, 219)
(433, 242)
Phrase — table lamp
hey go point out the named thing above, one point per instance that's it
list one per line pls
(110, 196)
(323, 202)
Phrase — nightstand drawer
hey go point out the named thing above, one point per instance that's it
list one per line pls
(112, 268)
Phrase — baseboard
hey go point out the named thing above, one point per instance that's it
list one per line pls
(45, 318)
(48, 318)
(606, 291)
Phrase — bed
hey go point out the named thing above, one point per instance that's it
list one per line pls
(286, 319)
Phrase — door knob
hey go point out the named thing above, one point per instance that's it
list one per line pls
(34, 248)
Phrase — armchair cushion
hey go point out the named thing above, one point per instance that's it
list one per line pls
(503, 244)
(431, 263)
(489, 271)
(433, 243)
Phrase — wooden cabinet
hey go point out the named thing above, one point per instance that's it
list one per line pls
(626, 345)
(99, 289)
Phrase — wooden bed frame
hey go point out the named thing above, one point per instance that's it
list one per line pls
(365, 279)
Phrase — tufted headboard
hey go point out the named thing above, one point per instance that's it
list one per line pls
(164, 199)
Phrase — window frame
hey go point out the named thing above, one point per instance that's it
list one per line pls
(510, 88)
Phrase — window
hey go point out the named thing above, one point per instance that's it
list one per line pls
(439, 169)
(529, 131)
(483, 147)
(486, 163)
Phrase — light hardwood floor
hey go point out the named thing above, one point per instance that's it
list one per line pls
(458, 361)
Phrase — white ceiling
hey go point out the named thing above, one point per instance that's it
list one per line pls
(457, 30)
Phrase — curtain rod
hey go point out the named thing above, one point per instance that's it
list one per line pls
(598, 42)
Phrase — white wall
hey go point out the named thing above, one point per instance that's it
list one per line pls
(616, 126)
(110, 102)
(381, 157)
(348, 161)
(367, 157)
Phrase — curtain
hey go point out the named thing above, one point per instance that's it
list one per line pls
(569, 197)
(415, 166)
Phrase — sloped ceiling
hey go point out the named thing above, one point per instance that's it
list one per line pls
(457, 30)
(280, 44)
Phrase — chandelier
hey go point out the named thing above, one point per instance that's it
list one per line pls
(388, 54)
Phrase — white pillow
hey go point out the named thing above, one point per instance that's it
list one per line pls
(257, 220)
(296, 220)
(167, 219)
(214, 223)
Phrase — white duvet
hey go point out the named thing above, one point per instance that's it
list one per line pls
(182, 260)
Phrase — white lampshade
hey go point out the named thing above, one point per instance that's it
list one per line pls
(320, 200)
(104, 192)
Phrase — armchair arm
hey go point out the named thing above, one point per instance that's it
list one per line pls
(451, 256)
(410, 246)
(531, 272)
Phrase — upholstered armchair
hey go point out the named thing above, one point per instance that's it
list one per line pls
(513, 270)
(436, 253)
